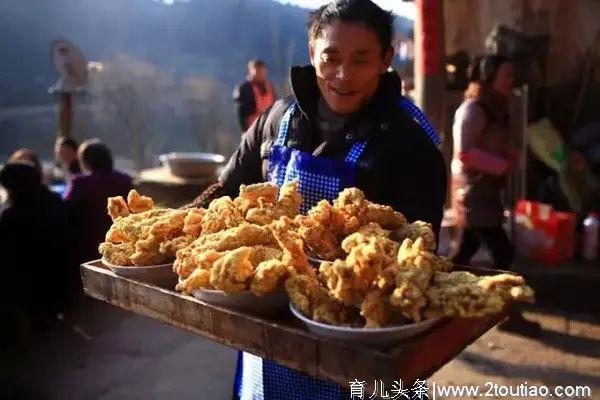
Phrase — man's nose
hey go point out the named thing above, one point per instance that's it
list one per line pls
(342, 72)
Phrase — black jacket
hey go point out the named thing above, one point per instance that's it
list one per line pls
(400, 166)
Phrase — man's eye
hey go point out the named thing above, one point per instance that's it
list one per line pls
(331, 60)
(360, 62)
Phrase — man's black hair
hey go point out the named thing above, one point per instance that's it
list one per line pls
(256, 63)
(96, 155)
(362, 12)
(67, 142)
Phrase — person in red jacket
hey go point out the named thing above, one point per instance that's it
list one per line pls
(253, 96)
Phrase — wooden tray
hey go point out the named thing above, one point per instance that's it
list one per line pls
(285, 339)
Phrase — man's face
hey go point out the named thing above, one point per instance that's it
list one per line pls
(259, 73)
(349, 62)
(64, 154)
(505, 79)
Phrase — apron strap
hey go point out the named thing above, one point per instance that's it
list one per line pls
(284, 124)
(421, 119)
(355, 152)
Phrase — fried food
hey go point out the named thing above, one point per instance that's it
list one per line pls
(385, 216)
(313, 300)
(469, 296)
(375, 309)
(321, 230)
(199, 279)
(231, 272)
(417, 229)
(292, 245)
(268, 276)
(117, 207)
(138, 203)
(141, 234)
(117, 253)
(192, 224)
(221, 214)
(244, 235)
(342, 282)
(264, 211)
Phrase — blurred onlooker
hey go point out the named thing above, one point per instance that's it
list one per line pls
(253, 96)
(34, 243)
(87, 195)
(65, 154)
(26, 155)
(482, 159)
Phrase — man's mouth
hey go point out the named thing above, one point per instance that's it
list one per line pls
(343, 92)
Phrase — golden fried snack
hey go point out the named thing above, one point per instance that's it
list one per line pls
(184, 263)
(244, 235)
(352, 203)
(221, 215)
(268, 276)
(199, 279)
(174, 245)
(469, 296)
(192, 224)
(388, 247)
(292, 245)
(343, 283)
(417, 229)
(408, 297)
(138, 203)
(264, 212)
(312, 300)
(117, 254)
(375, 310)
(289, 199)
(385, 216)
(264, 191)
(322, 230)
(147, 252)
(117, 207)
(231, 272)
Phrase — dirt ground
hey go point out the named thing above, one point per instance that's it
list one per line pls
(105, 353)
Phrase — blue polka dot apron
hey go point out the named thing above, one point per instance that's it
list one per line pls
(318, 178)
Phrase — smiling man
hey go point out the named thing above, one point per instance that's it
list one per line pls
(346, 124)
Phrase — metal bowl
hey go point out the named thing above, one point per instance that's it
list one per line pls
(160, 275)
(379, 337)
(192, 165)
(246, 301)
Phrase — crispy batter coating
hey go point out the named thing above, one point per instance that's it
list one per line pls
(117, 207)
(117, 254)
(467, 295)
(312, 300)
(417, 229)
(375, 309)
(291, 243)
(138, 203)
(384, 216)
(230, 272)
(268, 276)
(221, 215)
(199, 279)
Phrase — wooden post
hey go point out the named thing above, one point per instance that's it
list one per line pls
(430, 86)
(65, 114)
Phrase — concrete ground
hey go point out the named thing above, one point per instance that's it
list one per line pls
(106, 353)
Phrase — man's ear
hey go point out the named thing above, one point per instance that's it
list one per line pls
(387, 59)
(311, 53)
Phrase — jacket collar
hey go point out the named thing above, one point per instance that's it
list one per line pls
(375, 115)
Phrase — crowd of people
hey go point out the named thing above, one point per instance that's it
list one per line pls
(48, 234)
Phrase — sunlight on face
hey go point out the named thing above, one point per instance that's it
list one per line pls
(349, 62)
